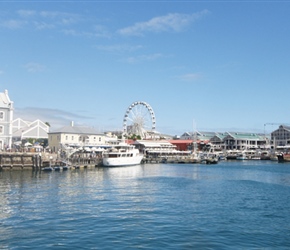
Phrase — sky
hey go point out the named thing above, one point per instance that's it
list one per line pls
(201, 65)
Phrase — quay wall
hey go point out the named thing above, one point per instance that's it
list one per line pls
(37, 161)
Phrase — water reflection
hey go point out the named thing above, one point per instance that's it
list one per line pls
(155, 206)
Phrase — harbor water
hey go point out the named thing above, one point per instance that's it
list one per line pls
(230, 205)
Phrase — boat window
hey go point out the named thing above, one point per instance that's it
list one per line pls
(113, 155)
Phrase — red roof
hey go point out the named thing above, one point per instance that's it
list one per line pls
(180, 141)
(187, 141)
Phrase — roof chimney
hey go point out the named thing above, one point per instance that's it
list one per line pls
(72, 123)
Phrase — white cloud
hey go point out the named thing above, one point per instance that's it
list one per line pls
(61, 17)
(56, 118)
(40, 19)
(119, 47)
(26, 13)
(43, 25)
(98, 31)
(13, 24)
(172, 22)
(34, 67)
(142, 58)
(190, 77)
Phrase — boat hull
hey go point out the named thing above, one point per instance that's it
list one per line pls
(122, 161)
(283, 158)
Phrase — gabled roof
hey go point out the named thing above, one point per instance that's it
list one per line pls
(19, 123)
(243, 136)
(205, 135)
(220, 136)
(26, 129)
(39, 123)
(31, 132)
(5, 100)
(191, 133)
(283, 127)
(75, 130)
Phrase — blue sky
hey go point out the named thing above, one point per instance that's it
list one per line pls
(205, 65)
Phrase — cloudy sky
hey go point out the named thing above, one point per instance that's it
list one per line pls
(205, 65)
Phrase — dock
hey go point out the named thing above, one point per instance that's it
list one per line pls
(38, 161)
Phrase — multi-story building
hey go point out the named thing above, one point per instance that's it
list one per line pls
(218, 142)
(281, 136)
(200, 136)
(244, 141)
(6, 117)
(75, 136)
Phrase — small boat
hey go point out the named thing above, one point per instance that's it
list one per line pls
(65, 167)
(242, 156)
(231, 155)
(265, 155)
(57, 168)
(122, 154)
(283, 157)
(209, 161)
(47, 169)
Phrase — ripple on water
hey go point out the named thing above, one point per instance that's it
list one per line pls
(227, 206)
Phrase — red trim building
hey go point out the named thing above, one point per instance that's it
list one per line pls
(182, 145)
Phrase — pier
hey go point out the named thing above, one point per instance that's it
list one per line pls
(37, 161)
(20, 161)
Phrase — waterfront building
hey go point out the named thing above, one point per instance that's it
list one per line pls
(189, 136)
(6, 118)
(182, 145)
(75, 136)
(244, 141)
(153, 146)
(26, 130)
(198, 135)
(217, 141)
(281, 137)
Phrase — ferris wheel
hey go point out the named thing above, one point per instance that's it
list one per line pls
(139, 119)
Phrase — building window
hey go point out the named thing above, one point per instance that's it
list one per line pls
(72, 138)
(100, 139)
(1, 130)
(1, 115)
(66, 137)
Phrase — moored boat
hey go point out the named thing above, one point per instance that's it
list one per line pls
(65, 167)
(47, 169)
(283, 157)
(122, 154)
(57, 168)
(242, 156)
(231, 155)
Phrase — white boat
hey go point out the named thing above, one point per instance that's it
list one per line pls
(122, 154)
(242, 156)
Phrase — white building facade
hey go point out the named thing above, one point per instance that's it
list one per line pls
(75, 136)
(281, 137)
(6, 118)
